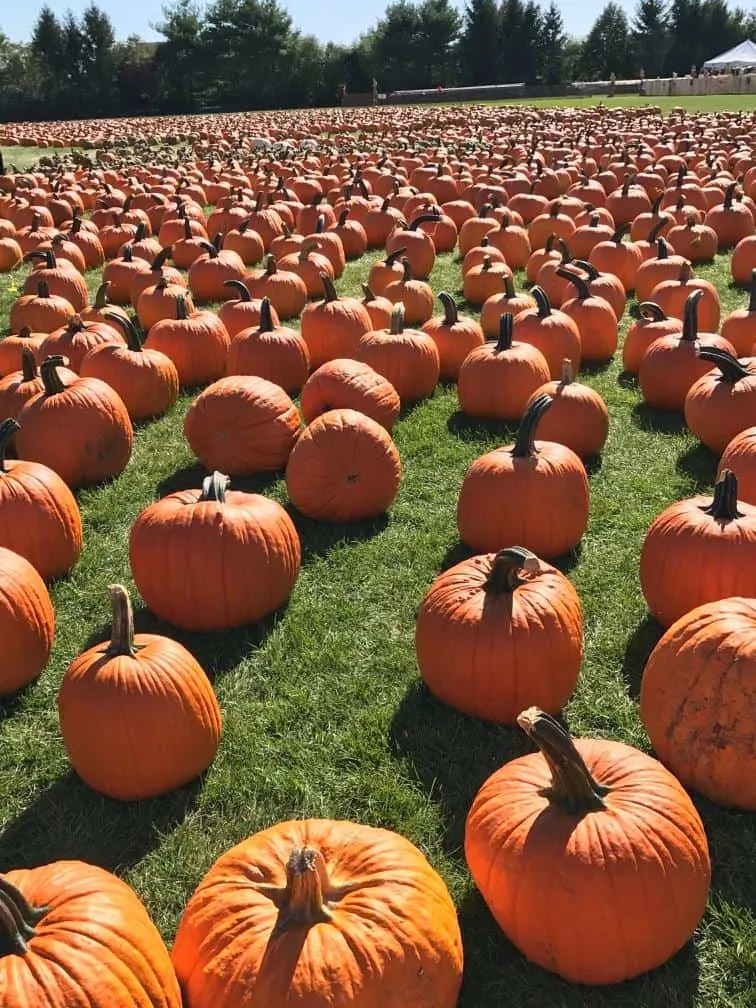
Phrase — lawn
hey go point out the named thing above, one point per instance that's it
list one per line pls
(323, 708)
(701, 103)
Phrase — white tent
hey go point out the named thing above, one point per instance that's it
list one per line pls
(743, 55)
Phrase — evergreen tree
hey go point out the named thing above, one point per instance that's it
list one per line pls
(440, 26)
(97, 58)
(178, 58)
(553, 46)
(650, 37)
(479, 47)
(510, 59)
(606, 49)
(48, 52)
(398, 48)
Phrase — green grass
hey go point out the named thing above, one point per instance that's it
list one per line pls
(324, 712)
(24, 158)
(702, 103)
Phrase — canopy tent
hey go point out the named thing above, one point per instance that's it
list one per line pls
(743, 55)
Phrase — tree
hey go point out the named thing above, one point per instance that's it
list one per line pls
(650, 37)
(553, 46)
(178, 59)
(97, 58)
(479, 43)
(48, 53)
(397, 47)
(606, 49)
(440, 26)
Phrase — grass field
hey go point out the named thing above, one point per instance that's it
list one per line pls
(703, 103)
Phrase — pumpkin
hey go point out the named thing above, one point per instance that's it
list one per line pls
(243, 312)
(498, 631)
(12, 347)
(40, 312)
(698, 702)
(158, 271)
(333, 327)
(552, 332)
(408, 358)
(286, 290)
(590, 830)
(214, 559)
(507, 302)
(693, 240)
(511, 240)
(353, 235)
(378, 307)
(577, 418)
(625, 203)
(594, 317)
(102, 304)
(484, 281)
(672, 297)
(81, 429)
(244, 423)
(699, 550)
(722, 402)
(333, 913)
(651, 323)
(740, 457)
(454, 337)
(88, 242)
(544, 484)
(743, 261)
(61, 278)
(418, 247)
(27, 625)
(209, 272)
(16, 389)
(196, 342)
(146, 380)
(120, 274)
(415, 295)
(739, 326)
(76, 338)
(161, 301)
(605, 285)
(343, 468)
(671, 364)
(344, 383)
(623, 259)
(731, 221)
(309, 264)
(586, 236)
(39, 516)
(245, 242)
(138, 714)
(496, 379)
(270, 351)
(552, 222)
(386, 271)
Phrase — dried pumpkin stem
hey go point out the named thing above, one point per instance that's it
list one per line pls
(506, 332)
(567, 374)
(451, 314)
(214, 488)
(573, 788)
(122, 631)
(240, 287)
(18, 919)
(51, 380)
(506, 567)
(397, 319)
(7, 429)
(690, 317)
(724, 506)
(304, 901)
(731, 368)
(525, 444)
(29, 368)
(651, 312)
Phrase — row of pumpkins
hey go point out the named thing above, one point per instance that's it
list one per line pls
(242, 931)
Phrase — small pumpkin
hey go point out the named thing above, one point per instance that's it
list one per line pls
(76, 338)
(287, 291)
(594, 317)
(40, 312)
(578, 416)
(650, 324)
(552, 332)
(270, 351)
(415, 295)
(244, 311)
(454, 337)
(196, 342)
(333, 327)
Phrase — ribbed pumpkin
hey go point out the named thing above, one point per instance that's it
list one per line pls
(333, 914)
(482, 282)
(138, 714)
(214, 559)
(244, 424)
(271, 351)
(18, 388)
(74, 340)
(196, 342)
(577, 417)
(27, 625)
(605, 285)
(287, 291)
(594, 317)
(61, 278)
(497, 379)
(343, 468)
(698, 700)
(545, 487)
(81, 430)
(415, 295)
(699, 550)
(507, 302)
(454, 337)
(146, 380)
(209, 272)
(722, 403)
(161, 301)
(386, 271)
(498, 631)
(73, 934)
(40, 312)
(622, 259)
(671, 365)
(740, 457)
(408, 358)
(552, 332)
(120, 273)
(418, 246)
(378, 307)
(654, 271)
(585, 831)
(743, 261)
(730, 220)
(333, 327)
(309, 264)
(739, 326)
(344, 383)
(650, 324)
(11, 349)
(244, 311)
(672, 296)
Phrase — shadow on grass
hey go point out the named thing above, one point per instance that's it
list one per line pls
(468, 428)
(732, 846)
(658, 421)
(700, 463)
(319, 538)
(69, 821)
(191, 477)
(459, 552)
(593, 464)
(640, 644)
(489, 954)
(451, 754)
(595, 367)
(627, 380)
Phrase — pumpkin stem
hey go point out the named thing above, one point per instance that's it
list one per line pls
(542, 301)
(568, 376)
(122, 632)
(506, 331)
(587, 267)
(752, 299)
(653, 234)
(729, 196)
(51, 380)
(724, 506)
(509, 287)
(731, 368)
(662, 249)
(127, 327)
(240, 287)
(7, 429)
(271, 266)
(690, 316)
(182, 308)
(18, 919)
(620, 233)
(525, 444)
(304, 902)
(101, 297)
(397, 254)
(397, 319)
(651, 311)
(161, 258)
(368, 295)
(214, 487)
(573, 788)
(506, 567)
(266, 316)
(451, 314)
(29, 368)
(581, 286)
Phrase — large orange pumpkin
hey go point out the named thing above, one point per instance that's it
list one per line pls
(333, 914)
(27, 625)
(344, 383)
(588, 837)
(408, 358)
(499, 631)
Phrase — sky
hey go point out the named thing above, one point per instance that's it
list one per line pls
(328, 20)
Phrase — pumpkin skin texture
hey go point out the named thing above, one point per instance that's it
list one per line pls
(545, 485)
(344, 383)
(39, 516)
(699, 550)
(214, 559)
(138, 714)
(344, 467)
(722, 403)
(698, 700)
(92, 944)
(242, 424)
(454, 337)
(407, 358)
(498, 631)
(740, 457)
(27, 623)
(590, 836)
(320, 914)
(578, 417)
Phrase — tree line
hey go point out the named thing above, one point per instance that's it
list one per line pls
(247, 54)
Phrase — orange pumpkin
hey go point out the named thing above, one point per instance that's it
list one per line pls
(577, 418)
(408, 358)
(27, 625)
(333, 327)
(650, 324)
(552, 332)
(454, 337)
(344, 383)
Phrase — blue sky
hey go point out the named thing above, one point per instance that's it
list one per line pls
(335, 20)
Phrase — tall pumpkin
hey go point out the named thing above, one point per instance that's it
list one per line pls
(589, 854)
(333, 914)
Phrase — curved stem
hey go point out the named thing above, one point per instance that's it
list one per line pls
(451, 313)
(581, 286)
(524, 446)
(122, 631)
(51, 380)
(506, 333)
(573, 788)
(724, 506)
(690, 316)
(506, 567)
(329, 288)
(240, 287)
(303, 902)
(367, 293)
(161, 258)
(651, 312)
(542, 301)
(7, 429)
(266, 316)
(214, 488)
(662, 249)
(422, 219)
(587, 267)
(394, 256)
(127, 327)
(731, 368)
(271, 266)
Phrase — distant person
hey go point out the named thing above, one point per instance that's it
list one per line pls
(374, 90)
(612, 84)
